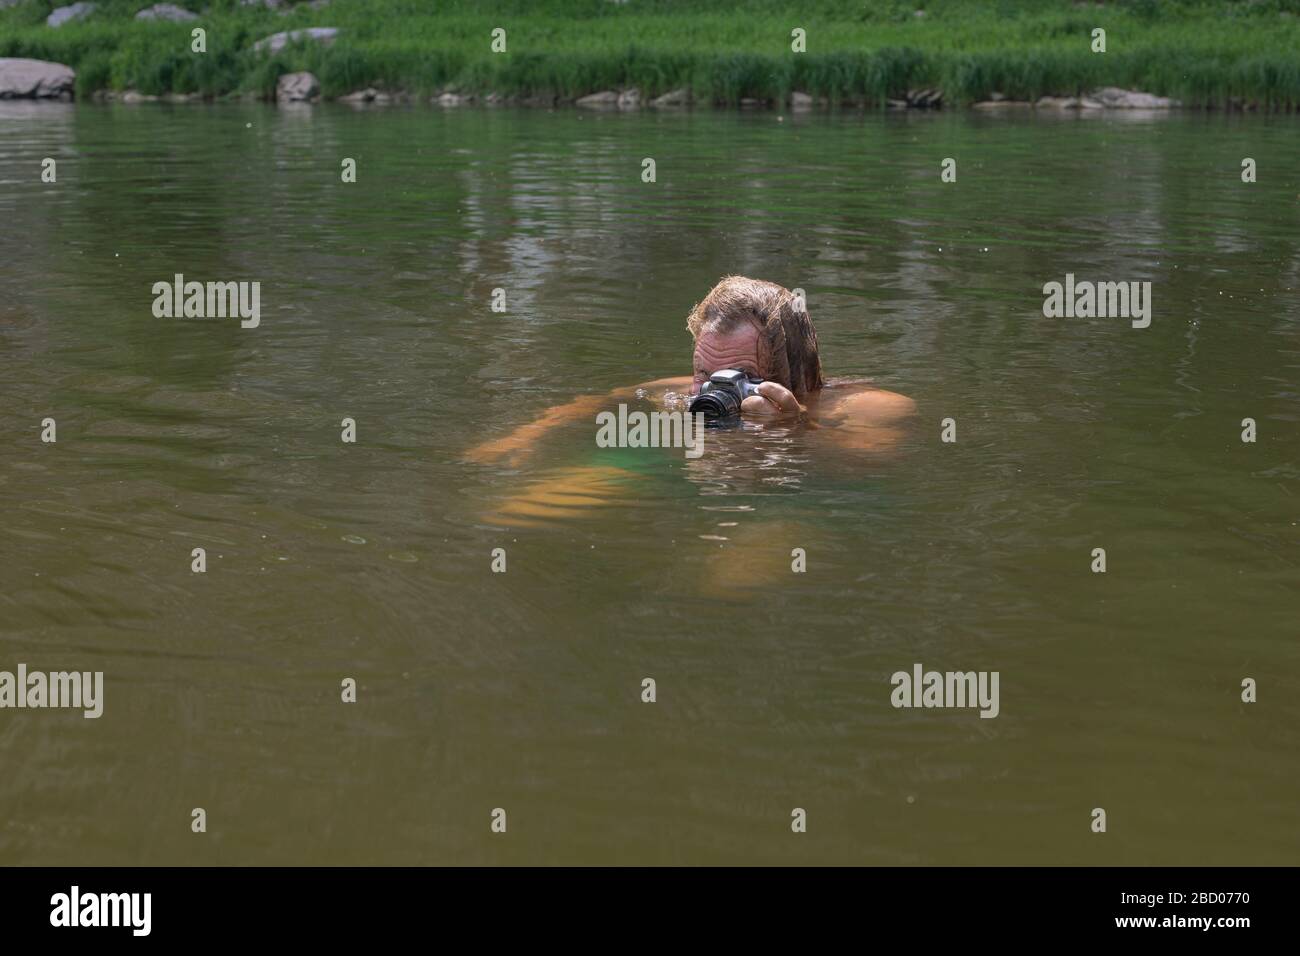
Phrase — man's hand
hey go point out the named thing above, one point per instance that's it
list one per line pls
(772, 401)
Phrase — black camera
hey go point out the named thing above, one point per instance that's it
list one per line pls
(720, 397)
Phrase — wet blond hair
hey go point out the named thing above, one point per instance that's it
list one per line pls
(787, 328)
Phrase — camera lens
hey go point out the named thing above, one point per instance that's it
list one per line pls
(715, 404)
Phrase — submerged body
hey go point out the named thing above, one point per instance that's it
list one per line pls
(754, 327)
(762, 329)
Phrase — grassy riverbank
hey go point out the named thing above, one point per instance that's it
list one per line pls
(1205, 53)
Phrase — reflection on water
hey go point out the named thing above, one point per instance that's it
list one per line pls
(522, 690)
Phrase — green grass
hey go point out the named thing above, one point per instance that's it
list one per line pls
(1205, 53)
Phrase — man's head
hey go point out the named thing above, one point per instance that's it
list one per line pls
(752, 325)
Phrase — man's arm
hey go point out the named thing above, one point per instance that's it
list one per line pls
(520, 442)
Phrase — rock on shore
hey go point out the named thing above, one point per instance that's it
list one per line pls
(1002, 104)
(924, 99)
(278, 41)
(604, 100)
(296, 87)
(680, 97)
(368, 95)
(166, 11)
(1112, 97)
(35, 79)
(62, 15)
(1106, 98)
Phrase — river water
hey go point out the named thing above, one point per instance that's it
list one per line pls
(522, 690)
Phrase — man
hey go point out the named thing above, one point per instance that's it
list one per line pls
(759, 328)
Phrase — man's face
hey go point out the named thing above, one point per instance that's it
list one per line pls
(743, 347)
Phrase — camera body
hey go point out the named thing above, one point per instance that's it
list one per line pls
(719, 398)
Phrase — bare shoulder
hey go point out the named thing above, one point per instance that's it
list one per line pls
(865, 405)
